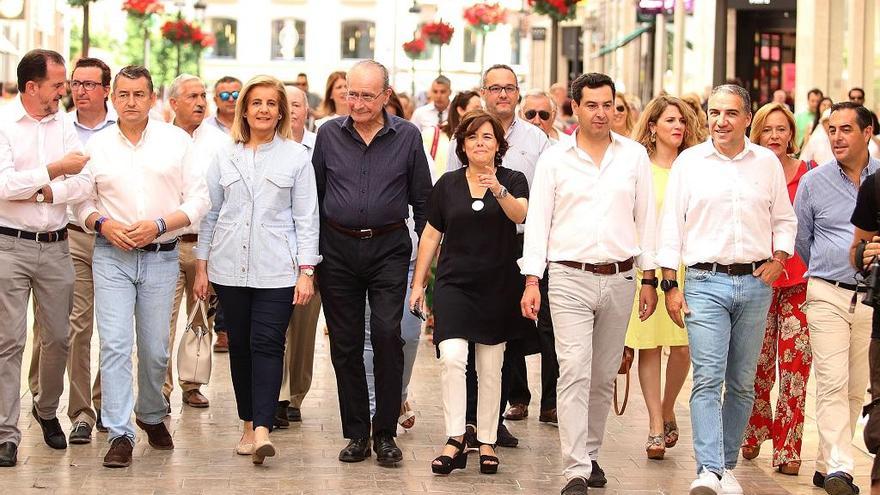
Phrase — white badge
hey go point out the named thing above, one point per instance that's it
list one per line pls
(477, 205)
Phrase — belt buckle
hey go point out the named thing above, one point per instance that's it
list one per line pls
(366, 231)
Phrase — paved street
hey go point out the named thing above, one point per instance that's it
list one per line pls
(204, 462)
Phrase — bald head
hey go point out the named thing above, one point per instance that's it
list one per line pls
(299, 110)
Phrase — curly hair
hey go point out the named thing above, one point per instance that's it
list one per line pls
(470, 123)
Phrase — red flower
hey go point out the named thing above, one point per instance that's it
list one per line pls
(414, 47)
(143, 8)
(438, 33)
(183, 31)
(557, 9)
(485, 16)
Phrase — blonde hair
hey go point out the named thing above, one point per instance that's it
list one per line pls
(241, 130)
(651, 114)
(694, 102)
(761, 116)
(629, 121)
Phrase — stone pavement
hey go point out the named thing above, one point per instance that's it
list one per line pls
(204, 462)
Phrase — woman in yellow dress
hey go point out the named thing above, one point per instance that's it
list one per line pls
(665, 128)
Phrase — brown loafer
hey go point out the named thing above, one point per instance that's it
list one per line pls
(548, 416)
(119, 455)
(222, 343)
(750, 452)
(517, 412)
(157, 435)
(791, 468)
(194, 398)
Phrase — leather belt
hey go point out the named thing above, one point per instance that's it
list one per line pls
(73, 226)
(843, 285)
(54, 236)
(603, 269)
(156, 247)
(735, 269)
(367, 233)
(189, 238)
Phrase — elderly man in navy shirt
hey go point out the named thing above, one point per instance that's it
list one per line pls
(369, 167)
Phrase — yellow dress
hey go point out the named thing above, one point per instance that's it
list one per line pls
(658, 330)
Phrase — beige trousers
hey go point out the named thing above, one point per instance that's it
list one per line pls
(299, 353)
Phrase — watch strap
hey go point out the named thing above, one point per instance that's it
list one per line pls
(653, 282)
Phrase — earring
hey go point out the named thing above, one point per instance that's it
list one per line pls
(653, 137)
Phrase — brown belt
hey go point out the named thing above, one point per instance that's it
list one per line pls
(603, 269)
(189, 238)
(366, 233)
(73, 226)
(734, 269)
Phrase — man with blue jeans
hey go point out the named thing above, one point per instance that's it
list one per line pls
(146, 185)
(727, 218)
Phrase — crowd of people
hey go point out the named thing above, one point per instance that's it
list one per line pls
(551, 223)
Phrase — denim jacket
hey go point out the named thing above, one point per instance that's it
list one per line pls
(263, 222)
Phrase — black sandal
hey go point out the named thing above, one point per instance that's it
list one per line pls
(488, 463)
(448, 464)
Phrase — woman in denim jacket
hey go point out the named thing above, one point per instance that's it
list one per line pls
(258, 246)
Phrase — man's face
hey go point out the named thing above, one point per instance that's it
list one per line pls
(299, 109)
(501, 93)
(191, 104)
(365, 96)
(226, 107)
(538, 111)
(440, 95)
(847, 140)
(47, 93)
(779, 96)
(813, 100)
(594, 111)
(132, 100)
(85, 99)
(857, 96)
(302, 82)
(728, 120)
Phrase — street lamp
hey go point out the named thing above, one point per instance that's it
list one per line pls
(416, 8)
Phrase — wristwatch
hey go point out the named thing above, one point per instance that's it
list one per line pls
(308, 271)
(668, 285)
(653, 282)
(502, 193)
(99, 223)
(41, 198)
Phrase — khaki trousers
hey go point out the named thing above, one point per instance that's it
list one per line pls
(840, 342)
(83, 392)
(185, 284)
(299, 354)
(45, 269)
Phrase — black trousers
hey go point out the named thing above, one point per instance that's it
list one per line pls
(256, 323)
(353, 271)
(519, 385)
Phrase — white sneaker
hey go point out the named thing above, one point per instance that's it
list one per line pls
(706, 484)
(729, 485)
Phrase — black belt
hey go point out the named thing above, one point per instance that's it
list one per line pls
(156, 247)
(844, 285)
(734, 269)
(367, 233)
(602, 269)
(54, 236)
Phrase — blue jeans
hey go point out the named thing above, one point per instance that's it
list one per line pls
(725, 331)
(410, 331)
(134, 295)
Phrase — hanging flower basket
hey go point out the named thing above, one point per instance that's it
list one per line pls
(415, 47)
(438, 33)
(183, 31)
(142, 8)
(485, 17)
(558, 10)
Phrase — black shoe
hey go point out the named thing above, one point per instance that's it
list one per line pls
(357, 450)
(840, 483)
(446, 463)
(387, 452)
(281, 420)
(8, 454)
(294, 415)
(505, 439)
(52, 432)
(98, 424)
(597, 476)
(818, 480)
(575, 486)
(81, 433)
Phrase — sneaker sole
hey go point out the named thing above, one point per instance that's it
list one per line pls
(836, 486)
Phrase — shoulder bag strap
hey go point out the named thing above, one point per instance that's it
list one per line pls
(618, 408)
(436, 141)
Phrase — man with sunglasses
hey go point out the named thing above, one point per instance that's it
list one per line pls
(540, 109)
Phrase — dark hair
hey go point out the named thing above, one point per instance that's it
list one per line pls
(496, 67)
(860, 90)
(566, 109)
(11, 88)
(592, 80)
(461, 101)
(328, 106)
(96, 63)
(394, 103)
(818, 113)
(34, 65)
(134, 72)
(815, 91)
(472, 121)
(863, 115)
(302, 74)
(226, 79)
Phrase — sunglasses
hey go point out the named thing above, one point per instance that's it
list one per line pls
(226, 95)
(530, 114)
(620, 108)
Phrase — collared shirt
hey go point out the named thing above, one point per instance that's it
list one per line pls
(591, 213)
(725, 210)
(308, 141)
(145, 181)
(428, 116)
(824, 203)
(214, 121)
(85, 133)
(27, 147)
(365, 186)
(208, 142)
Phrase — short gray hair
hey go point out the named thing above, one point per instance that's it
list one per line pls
(386, 80)
(538, 93)
(178, 82)
(293, 90)
(736, 90)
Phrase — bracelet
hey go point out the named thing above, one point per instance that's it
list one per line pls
(774, 258)
(160, 227)
(531, 283)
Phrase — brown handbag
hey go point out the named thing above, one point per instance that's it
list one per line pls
(626, 363)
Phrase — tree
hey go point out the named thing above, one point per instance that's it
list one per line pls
(85, 27)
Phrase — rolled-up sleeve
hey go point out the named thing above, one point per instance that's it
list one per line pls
(304, 202)
(196, 198)
(217, 198)
(18, 184)
(73, 188)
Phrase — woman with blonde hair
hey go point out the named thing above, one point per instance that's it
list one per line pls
(258, 246)
(667, 127)
(786, 339)
(622, 119)
(334, 104)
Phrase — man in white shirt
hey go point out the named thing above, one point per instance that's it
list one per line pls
(147, 184)
(540, 110)
(40, 172)
(437, 110)
(591, 215)
(90, 88)
(728, 219)
(188, 99)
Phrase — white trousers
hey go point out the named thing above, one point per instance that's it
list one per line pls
(453, 360)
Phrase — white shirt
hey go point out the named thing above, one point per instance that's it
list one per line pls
(27, 147)
(428, 116)
(725, 210)
(308, 141)
(208, 142)
(145, 181)
(588, 213)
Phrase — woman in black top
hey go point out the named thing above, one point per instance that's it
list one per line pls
(476, 295)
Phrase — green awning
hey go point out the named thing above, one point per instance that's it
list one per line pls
(605, 50)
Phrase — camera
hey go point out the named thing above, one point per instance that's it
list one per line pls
(871, 278)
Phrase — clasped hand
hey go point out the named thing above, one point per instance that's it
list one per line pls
(128, 237)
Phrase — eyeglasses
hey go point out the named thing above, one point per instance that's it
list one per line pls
(620, 108)
(496, 89)
(89, 86)
(530, 114)
(364, 97)
(226, 95)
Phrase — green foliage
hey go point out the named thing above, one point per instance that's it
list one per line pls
(101, 41)
(79, 3)
(162, 56)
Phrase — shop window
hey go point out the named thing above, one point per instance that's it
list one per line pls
(288, 39)
(358, 39)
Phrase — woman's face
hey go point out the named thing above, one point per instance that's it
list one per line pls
(670, 127)
(340, 87)
(618, 120)
(481, 146)
(776, 133)
(472, 104)
(825, 105)
(263, 110)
